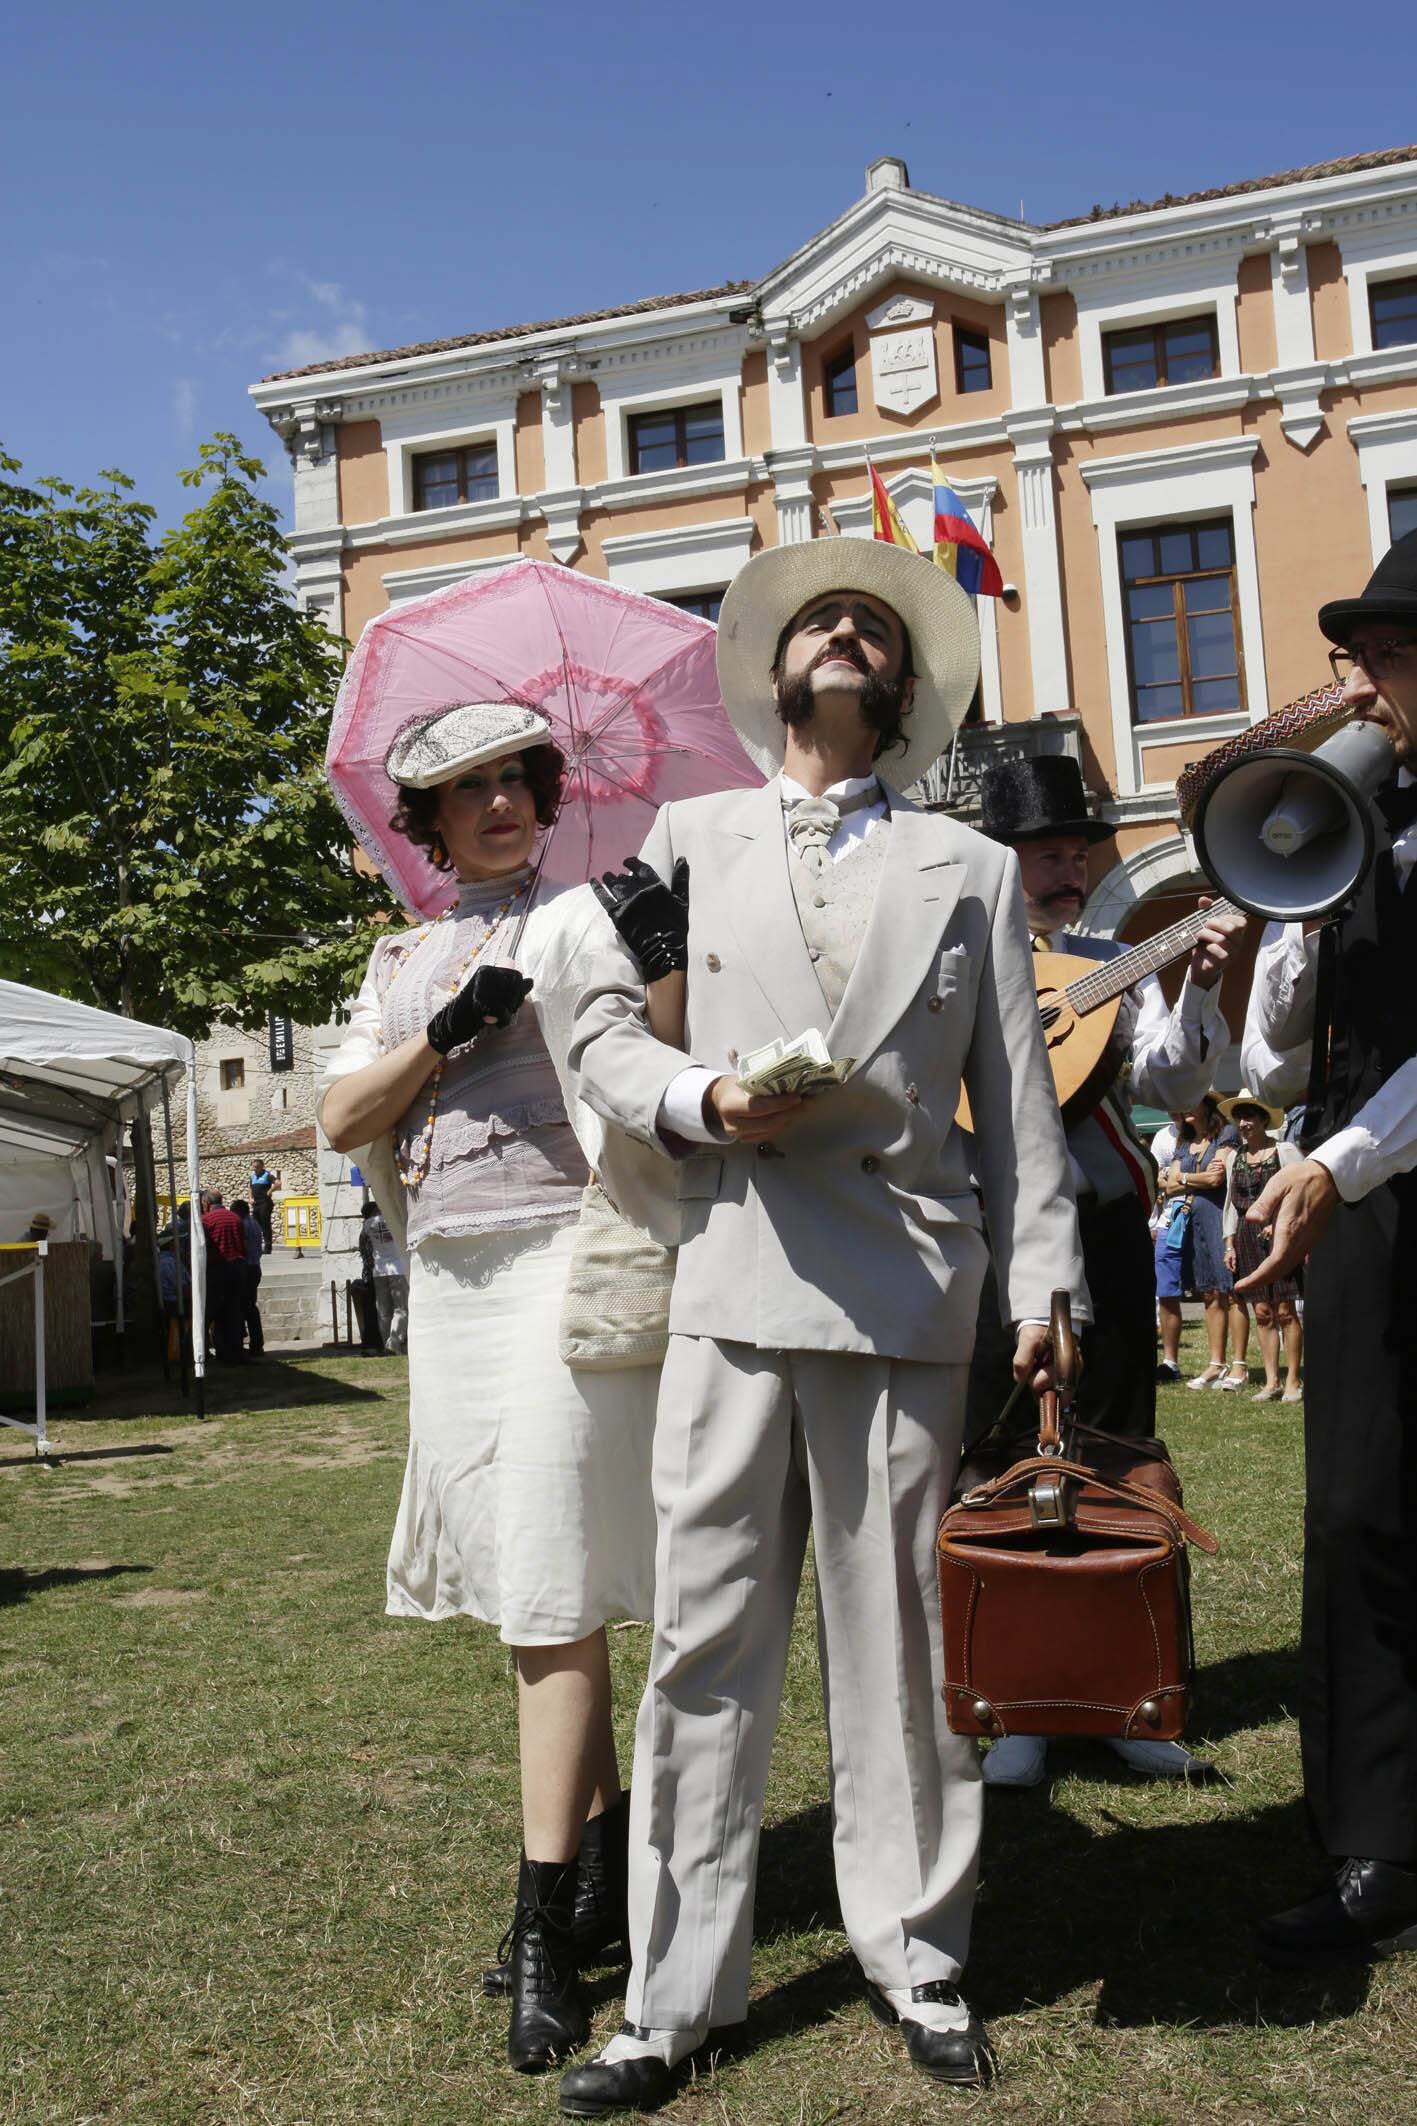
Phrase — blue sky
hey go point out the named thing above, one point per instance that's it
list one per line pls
(195, 196)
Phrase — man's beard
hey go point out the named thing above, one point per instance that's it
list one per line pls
(881, 702)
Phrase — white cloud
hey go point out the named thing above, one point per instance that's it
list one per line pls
(344, 328)
(184, 407)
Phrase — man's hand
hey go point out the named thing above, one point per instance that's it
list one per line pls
(748, 1118)
(1298, 1204)
(1033, 1361)
(1212, 952)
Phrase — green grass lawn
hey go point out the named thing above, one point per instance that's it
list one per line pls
(258, 1839)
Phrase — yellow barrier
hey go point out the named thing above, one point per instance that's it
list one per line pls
(299, 1218)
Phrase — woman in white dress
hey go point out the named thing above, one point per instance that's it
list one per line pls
(526, 1501)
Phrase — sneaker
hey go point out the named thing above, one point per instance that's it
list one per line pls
(1167, 1375)
(1017, 1760)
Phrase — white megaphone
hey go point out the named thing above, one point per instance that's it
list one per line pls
(1288, 834)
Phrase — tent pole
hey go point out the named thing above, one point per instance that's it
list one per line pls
(41, 1436)
(198, 1245)
(115, 1229)
(172, 1235)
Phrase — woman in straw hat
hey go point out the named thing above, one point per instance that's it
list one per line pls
(1254, 1164)
(526, 1500)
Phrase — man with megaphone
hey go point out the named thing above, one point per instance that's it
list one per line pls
(1341, 994)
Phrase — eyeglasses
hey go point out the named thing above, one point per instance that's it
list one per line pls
(1377, 660)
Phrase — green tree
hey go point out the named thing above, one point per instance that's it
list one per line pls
(168, 844)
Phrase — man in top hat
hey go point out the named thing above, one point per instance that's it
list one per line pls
(826, 1293)
(1039, 809)
(1339, 1008)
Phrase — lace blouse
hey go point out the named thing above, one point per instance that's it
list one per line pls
(503, 1154)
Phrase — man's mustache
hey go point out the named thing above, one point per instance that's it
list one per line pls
(833, 650)
(1060, 893)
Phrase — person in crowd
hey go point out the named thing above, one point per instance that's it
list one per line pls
(226, 1278)
(826, 1295)
(41, 1227)
(385, 1283)
(526, 1500)
(371, 1342)
(1333, 1010)
(251, 1281)
(1255, 1161)
(1039, 808)
(1190, 1242)
(264, 1185)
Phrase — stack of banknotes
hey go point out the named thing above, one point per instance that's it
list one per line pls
(797, 1066)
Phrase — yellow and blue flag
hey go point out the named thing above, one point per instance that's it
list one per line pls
(960, 549)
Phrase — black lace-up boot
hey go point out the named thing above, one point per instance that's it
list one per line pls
(548, 2016)
(601, 1922)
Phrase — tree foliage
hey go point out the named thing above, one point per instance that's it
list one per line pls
(168, 844)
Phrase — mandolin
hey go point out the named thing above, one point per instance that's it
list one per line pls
(1078, 1002)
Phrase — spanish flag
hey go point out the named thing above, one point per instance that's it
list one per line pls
(959, 549)
(885, 517)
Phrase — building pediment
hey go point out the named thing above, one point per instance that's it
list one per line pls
(893, 236)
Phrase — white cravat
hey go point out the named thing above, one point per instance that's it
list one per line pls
(856, 824)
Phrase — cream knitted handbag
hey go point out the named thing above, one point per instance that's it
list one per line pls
(615, 1310)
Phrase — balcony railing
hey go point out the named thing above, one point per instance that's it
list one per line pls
(953, 782)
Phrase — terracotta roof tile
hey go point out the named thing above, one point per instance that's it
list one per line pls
(1345, 165)
(511, 332)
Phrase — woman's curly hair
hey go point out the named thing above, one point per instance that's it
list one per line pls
(416, 814)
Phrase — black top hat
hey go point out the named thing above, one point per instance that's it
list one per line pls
(1391, 594)
(1023, 800)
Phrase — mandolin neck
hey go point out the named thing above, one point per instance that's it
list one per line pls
(1110, 977)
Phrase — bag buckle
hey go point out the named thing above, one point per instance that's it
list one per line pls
(1048, 1502)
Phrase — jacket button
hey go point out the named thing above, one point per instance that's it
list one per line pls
(869, 1163)
(936, 1004)
(912, 1095)
(770, 1151)
(712, 962)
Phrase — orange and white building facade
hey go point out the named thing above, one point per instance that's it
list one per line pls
(1181, 426)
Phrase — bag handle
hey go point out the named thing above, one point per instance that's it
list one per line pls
(1054, 1466)
(1055, 1404)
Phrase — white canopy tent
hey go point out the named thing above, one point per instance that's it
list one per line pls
(71, 1079)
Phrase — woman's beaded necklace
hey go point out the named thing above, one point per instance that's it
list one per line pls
(412, 1171)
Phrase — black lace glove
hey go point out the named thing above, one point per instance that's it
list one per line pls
(495, 993)
(652, 918)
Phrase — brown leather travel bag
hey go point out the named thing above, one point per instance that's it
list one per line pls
(1064, 1583)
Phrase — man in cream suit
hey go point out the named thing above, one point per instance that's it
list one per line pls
(825, 1300)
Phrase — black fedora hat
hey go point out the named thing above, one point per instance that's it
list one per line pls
(1391, 594)
(1022, 800)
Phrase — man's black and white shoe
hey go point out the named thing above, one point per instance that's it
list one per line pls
(963, 2057)
(1369, 1909)
(633, 2076)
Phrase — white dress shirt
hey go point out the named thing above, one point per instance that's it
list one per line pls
(682, 1108)
(1381, 1140)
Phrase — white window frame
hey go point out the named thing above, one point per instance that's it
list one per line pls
(1158, 304)
(1368, 261)
(1386, 444)
(417, 433)
(1182, 485)
(682, 557)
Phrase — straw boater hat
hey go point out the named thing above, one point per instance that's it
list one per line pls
(1274, 1116)
(450, 741)
(42, 1222)
(775, 585)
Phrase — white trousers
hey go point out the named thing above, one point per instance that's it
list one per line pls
(751, 1447)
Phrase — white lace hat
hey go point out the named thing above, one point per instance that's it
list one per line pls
(775, 585)
(440, 746)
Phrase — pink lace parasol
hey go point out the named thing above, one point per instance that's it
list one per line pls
(626, 683)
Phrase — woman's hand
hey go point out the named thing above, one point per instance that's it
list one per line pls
(1230, 1257)
(492, 997)
(651, 918)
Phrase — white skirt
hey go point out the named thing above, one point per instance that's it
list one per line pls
(526, 1500)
